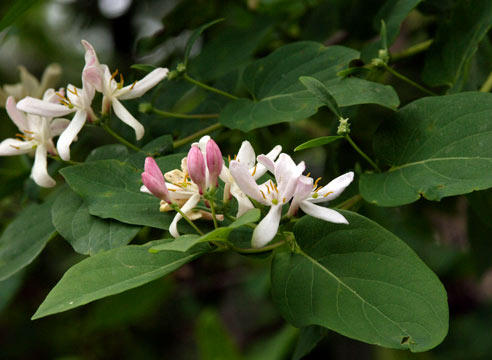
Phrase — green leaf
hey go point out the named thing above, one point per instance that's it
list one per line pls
(309, 337)
(393, 12)
(456, 41)
(25, 237)
(111, 189)
(317, 142)
(15, 12)
(318, 89)
(277, 347)
(186, 242)
(111, 272)
(280, 97)
(86, 233)
(437, 147)
(9, 288)
(361, 281)
(106, 152)
(194, 37)
(213, 339)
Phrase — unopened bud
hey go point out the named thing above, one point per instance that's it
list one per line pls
(343, 127)
(214, 161)
(196, 168)
(154, 180)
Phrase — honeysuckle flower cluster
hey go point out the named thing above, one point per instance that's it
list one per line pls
(183, 189)
(41, 117)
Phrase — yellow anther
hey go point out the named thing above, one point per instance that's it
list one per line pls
(173, 190)
(229, 158)
(316, 182)
(268, 189)
(28, 132)
(318, 189)
(235, 156)
(15, 147)
(74, 91)
(121, 82)
(264, 197)
(133, 85)
(308, 174)
(328, 193)
(114, 75)
(275, 186)
(284, 200)
(254, 171)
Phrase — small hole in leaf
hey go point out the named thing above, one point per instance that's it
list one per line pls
(405, 340)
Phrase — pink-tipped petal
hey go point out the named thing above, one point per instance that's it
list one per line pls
(214, 161)
(246, 155)
(303, 190)
(272, 155)
(17, 117)
(196, 168)
(246, 182)
(43, 108)
(154, 180)
(267, 228)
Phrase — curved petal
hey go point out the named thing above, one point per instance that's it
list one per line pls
(128, 118)
(93, 75)
(303, 190)
(272, 155)
(10, 147)
(334, 188)
(19, 119)
(70, 133)
(243, 203)
(267, 228)
(323, 213)
(143, 85)
(90, 54)
(57, 126)
(43, 108)
(246, 155)
(39, 170)
(245, 181)
(29, 81)
(190, 204)
(267, 163)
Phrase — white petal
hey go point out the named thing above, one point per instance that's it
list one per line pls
(190, 204)
(303, 190)
(267, 164)
(334, 188)
(267, 228)
(272, 155)
(246, 155)
(92, 75)
(245, 181)
(57, 126)
(70, 133)
(243, 203)
(39, 170)
(10, 147)
(29, 82)
(144, 189)
(323, 213)
(286, 174)
(143, 85)
(43, 108)
(128, 118)
(19, 119)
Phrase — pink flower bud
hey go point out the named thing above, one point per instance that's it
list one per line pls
(196, 168)
(154, 180)
(214, 161)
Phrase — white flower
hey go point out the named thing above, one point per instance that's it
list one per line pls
(308, 193)
(274, 195)
(247, 157)
(29, 85)
(77, 100)
(101, 78)
(35, 137)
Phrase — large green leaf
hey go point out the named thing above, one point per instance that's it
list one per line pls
(15, 12)
(26, 237)
(456, 41)
(111, 189)
(361, 281)
(279, 96)
(86, 233)
(110, 273)
(437, 147)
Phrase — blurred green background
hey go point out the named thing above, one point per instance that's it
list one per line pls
(219, 307)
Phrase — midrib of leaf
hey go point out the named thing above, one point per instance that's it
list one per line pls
(438, 159)
(340, 282)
